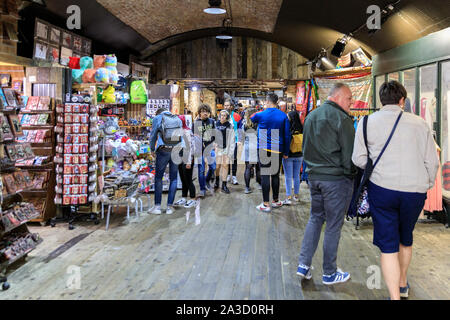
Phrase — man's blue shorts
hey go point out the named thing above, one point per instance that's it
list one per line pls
(394, 215)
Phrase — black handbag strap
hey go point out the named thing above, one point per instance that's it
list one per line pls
(388, 140)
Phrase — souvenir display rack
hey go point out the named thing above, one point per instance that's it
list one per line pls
(39, 116)
(16, 241)
(76, 159)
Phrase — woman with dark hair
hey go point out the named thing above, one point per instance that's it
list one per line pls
(293, 163)
(185, 168)
(398, 185)
(250, 153)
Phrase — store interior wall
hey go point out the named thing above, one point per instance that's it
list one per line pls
(242, 58)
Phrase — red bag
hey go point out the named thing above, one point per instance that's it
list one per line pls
(74, 62)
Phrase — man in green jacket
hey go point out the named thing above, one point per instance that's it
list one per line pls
(328, 137)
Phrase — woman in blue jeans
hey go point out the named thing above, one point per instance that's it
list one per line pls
(293, 163)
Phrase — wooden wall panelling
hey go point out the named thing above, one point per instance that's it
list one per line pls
(234, 58)
(256, 57)
(244, 58)
(269, 60)
(222, 63)
(204, 63)
(280, 63)
(290, 65)
(181, 67)
(229, 62)
(239, 58)
(250, 58)
(274, 61)
(294, 66)
(284, 63)
(264, 60)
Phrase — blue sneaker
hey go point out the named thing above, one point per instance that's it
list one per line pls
(404, 291)
(304, 271)
(338, 277)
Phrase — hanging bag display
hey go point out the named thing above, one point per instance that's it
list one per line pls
(138, 92)
(361, 198)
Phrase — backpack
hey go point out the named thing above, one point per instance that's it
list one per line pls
(296, 142)
(138, 92)
(170, 123)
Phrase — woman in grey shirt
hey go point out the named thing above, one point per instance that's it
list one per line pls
(399, 182)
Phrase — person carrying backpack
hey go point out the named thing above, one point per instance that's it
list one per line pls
(166, 134)
(293, 163)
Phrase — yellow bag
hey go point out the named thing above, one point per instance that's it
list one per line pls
(296, 143)
(109, 95)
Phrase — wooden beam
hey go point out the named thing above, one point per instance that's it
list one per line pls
(342, 72)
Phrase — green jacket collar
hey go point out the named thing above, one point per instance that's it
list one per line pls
(335, 105)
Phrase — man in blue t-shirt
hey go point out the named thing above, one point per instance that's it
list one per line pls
(274, 140)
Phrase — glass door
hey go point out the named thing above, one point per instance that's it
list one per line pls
(445, 127)
(409, 82)
(427, 101)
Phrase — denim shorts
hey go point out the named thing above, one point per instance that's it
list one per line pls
(394, 216)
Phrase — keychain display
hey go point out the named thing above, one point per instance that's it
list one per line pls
(77, 157)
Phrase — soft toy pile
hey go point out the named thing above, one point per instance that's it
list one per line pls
(102, 69)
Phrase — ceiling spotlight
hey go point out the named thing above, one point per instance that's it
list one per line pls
(194, 88)
(214, 7)
(339, 47)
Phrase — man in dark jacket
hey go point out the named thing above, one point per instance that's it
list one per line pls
(328, 137)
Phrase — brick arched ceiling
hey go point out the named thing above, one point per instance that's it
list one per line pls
(160, 19)
(143, 27)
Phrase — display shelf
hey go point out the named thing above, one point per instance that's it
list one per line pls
(23, 111)
(37, 127)
(10, 262)
(76, 86)
(16, 226)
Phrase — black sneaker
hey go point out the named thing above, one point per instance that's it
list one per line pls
(216, 185)
(225, 189)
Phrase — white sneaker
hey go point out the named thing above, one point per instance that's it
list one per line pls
(235, 181)
(180, 202)
(169, 210)
(228, 178)
(263, 208)
(202, 193)
(190, 204)
(156, 210)
(287, 202)
(277, 204)
(295, 199)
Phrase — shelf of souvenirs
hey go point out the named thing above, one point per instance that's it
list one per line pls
(85, 85)
(14, 226)
(22, 254)
(36, 111)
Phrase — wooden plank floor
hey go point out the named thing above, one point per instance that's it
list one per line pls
(234, 253)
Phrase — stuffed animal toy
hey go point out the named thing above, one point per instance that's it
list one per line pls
(99, 61)
(108, 95)
(111, 65)
(102, 75)
(74, 62)
(77, 74)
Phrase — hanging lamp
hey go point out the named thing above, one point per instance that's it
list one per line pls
(214, 7)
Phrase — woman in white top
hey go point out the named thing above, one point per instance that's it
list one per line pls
(399, 182)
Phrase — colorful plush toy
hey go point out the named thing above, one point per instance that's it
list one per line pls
(99, 61)
(108, 95)
(77, 74)
(102, 75)
(111, 65)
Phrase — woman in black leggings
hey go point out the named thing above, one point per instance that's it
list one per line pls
(250, 153)
(186, 168)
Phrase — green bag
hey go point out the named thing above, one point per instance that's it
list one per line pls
(138, 92)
